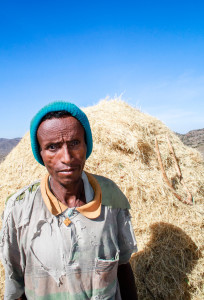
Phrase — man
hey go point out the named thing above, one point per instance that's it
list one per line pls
(68, 236)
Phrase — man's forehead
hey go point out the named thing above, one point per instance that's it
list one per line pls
(56, 128)
(61, 123)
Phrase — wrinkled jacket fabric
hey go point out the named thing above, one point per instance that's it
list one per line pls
(48, 260)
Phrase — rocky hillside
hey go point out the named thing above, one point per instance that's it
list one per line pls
(194, 138)
(6, 145)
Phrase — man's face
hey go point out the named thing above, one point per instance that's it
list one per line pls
(63, 149)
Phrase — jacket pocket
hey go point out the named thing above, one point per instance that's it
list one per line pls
(105, 278)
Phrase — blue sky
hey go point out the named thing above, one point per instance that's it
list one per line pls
(151, 52)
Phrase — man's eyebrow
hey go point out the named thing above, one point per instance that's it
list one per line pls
(73, 140)
(60, 142)
(52, 142)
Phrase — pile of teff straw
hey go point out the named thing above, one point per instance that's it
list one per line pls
(158, 181)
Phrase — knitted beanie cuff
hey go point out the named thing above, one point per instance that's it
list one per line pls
(71, 108)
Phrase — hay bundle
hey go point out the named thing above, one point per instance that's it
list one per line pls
(169, 264)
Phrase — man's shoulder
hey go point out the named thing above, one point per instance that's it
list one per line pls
(20, 198)
(111, 193)
(21, 193)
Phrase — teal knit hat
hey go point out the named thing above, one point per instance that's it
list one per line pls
(58, 106)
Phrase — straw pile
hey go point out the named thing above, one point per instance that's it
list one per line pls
(169, 264)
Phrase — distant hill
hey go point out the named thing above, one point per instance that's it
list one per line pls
(6, 145)
(194, 139)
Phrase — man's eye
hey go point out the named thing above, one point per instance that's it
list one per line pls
(74, 143)
(52, 147)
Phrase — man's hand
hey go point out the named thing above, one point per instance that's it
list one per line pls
(23, 297)
(126, 280)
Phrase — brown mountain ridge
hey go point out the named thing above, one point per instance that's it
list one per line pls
(194, 139)
(6, 145)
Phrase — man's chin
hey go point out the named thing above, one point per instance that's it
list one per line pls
(69, 180)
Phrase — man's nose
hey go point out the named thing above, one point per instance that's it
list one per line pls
(66, 156)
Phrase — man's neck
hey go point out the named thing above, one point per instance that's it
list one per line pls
(72, 195)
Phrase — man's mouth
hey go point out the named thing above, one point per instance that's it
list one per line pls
(67, 170)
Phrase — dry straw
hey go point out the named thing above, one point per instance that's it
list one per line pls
(169, 263)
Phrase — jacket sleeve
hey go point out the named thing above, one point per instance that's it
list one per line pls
(11, 258)
(126, 237)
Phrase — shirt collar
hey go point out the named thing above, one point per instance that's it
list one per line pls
(93, 195)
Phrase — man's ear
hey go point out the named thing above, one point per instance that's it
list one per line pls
(39, 149)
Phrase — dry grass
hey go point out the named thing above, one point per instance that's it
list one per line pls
(169, 264)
